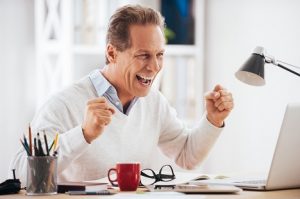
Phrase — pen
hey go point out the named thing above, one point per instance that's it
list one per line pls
(36, 153)
(30, 140)
(25, 147)
(102, 192)
(55, 152)
(25, 142)
(46, 143)
(40, 148)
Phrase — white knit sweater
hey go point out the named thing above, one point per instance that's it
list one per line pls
(151, 123)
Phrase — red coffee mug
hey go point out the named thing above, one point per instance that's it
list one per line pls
(128, 176)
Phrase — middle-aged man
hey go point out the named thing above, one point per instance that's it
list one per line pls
(112, 115)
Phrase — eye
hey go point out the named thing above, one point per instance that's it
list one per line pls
(160, 55)
(143, 56)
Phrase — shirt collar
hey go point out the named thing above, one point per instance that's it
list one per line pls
(104, 88)
(100, 82)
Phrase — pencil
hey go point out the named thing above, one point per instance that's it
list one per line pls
(52, 145)
(55, 142)
(30, 139)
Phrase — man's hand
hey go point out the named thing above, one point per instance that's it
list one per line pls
(97, 115)
(219, 103)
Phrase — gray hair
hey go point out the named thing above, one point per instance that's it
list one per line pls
(118, 28)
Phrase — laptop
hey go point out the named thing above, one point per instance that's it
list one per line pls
(284, 172)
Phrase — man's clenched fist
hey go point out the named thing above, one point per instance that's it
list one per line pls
(98, 114)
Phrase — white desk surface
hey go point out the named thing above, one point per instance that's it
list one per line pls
(280, 194)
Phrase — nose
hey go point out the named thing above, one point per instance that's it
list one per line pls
(154, 65)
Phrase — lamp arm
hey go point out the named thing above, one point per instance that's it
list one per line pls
(285, 68)
(272, 60)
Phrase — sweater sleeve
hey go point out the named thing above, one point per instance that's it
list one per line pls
(55, 117)
(187, 146)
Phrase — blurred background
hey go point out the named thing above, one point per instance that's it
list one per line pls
(48, 44)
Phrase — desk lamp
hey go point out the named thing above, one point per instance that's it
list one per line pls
(252, 72)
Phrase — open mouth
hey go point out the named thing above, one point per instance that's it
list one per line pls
(146, 81)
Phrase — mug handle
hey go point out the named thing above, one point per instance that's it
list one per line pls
(110, 180)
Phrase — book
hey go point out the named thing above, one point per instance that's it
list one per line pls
(64, 187)
(188, 188)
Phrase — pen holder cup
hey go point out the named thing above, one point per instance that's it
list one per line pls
(41, 175)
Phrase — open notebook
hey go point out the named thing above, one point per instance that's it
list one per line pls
(180, 184)
(284, 172)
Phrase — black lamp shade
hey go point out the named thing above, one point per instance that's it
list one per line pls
(252, 71)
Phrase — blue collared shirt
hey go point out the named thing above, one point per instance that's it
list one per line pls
(105, 89)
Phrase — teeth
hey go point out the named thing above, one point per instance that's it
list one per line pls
(146, 78)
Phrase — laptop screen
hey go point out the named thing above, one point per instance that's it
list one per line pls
(285, 167)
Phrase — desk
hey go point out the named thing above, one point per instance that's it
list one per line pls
(281, 194)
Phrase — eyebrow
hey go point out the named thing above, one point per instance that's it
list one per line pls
(146, 51)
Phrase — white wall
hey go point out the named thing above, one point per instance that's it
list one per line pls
(17, 67)
(233, 29)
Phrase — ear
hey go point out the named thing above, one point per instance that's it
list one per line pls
(111, 53)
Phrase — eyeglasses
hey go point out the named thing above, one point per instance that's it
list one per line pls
(149, 177)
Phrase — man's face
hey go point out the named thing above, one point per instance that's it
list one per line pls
(137, 66)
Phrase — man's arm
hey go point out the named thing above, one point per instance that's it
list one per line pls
(188, 147)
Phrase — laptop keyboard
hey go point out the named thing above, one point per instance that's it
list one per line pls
(252, 182)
